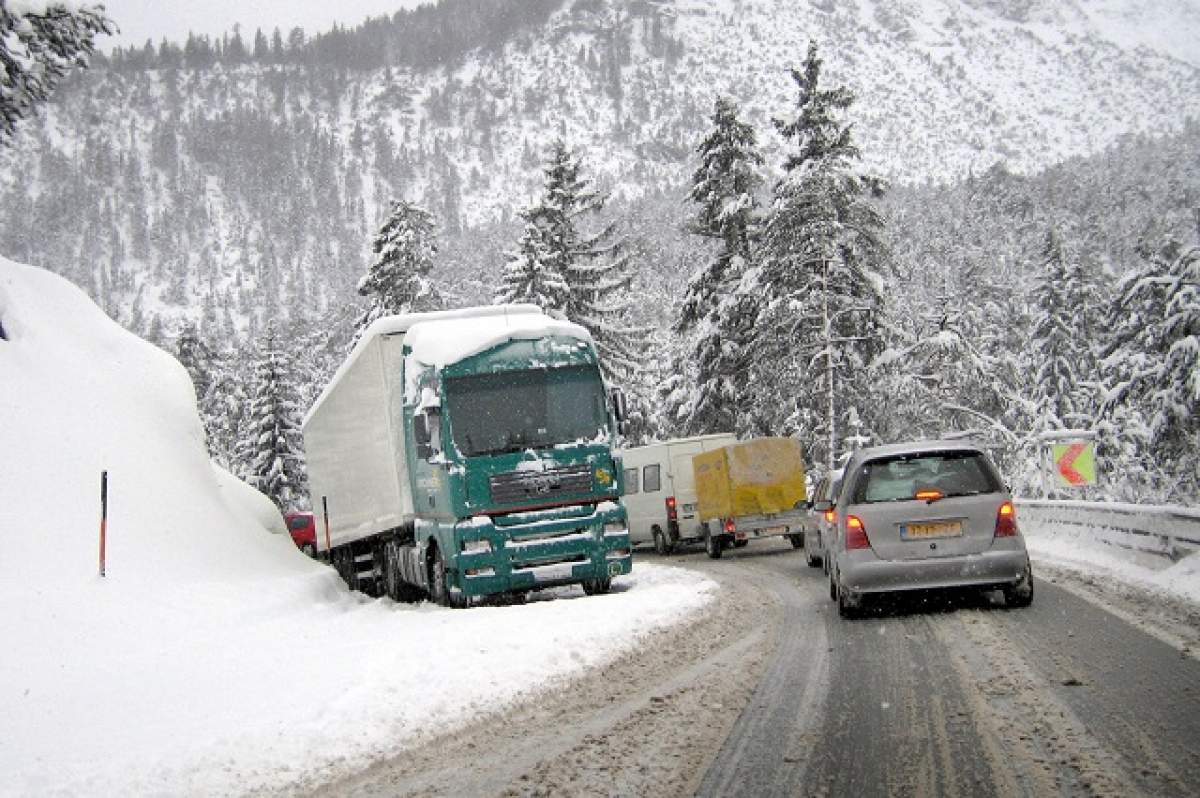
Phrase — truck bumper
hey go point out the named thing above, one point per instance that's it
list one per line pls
(533, 550)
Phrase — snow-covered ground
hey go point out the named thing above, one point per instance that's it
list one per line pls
(1081, 549)
(215, 658)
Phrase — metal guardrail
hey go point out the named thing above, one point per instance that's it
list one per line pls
(1171, 532)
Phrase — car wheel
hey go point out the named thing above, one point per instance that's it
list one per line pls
(832, 586)
(1020, 594)
(797, 541)
(741, 544)
(597, 587)
(660, 543)
(810, 560)
(712, 545)
(849, 605)
(439, 587)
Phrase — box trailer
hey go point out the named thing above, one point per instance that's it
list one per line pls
(660, 490)
(468, 453)
(749, 490)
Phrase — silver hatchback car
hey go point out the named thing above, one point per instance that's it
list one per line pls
(924, 516)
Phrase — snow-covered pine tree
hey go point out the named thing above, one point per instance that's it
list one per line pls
(1152, 362)
(595, 268)
(1059, 353)
(398, 278)
(39, 45)
(531, 274)
(821, 262)
(273, 446)
(715, 315)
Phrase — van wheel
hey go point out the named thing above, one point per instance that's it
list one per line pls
(661, 547)
(439, 587)
(712, 545)
(597, 587)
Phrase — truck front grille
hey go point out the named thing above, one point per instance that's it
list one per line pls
(539, 486)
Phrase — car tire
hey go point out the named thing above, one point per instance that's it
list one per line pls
(597, 587)
(1020, 594)
(712, 545)
(741, 544)
(848, 607)
(797, 541)
(833, 592)
(811, 561)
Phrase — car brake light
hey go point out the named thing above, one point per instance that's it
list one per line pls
(856, 533)
(1006, 521)
(830, 516)
(730, 527)
(929, 494)
(671, 514)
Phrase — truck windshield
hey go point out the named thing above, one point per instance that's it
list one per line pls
(514, 410)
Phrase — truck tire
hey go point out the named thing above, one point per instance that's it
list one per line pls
(394, 586)
(741, 544)
(712, 545)
(439, 587)
(597, 587)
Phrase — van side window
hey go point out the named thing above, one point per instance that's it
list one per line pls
(631, 481)
(651, 479)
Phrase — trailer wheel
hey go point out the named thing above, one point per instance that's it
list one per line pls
(712, 545)
(439, 588)
(597, 587)
(397, 589)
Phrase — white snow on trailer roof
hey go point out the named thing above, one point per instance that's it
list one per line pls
(401, 323)
(442, 342)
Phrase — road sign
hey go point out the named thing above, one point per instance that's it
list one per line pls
(1074, 464)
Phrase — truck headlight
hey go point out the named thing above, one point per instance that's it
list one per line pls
(476, 546)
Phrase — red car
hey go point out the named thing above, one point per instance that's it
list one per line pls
(304, 531)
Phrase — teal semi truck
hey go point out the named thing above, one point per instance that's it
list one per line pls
(468, 453)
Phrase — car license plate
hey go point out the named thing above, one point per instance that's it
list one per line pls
(931, 529)
(775, 530)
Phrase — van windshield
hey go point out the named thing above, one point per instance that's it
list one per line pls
(513, 410)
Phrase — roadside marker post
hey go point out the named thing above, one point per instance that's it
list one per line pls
(103, 517)
(325, 510)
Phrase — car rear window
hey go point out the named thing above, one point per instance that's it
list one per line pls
(299, 522)
(901, 477)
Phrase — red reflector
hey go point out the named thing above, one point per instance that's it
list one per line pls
(1006, 521)
(856, 533)
(730, 527)
(671, 514)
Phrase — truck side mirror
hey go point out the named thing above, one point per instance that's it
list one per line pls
(421, 436)
(619, 405)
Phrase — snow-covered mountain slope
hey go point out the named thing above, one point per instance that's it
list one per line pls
(221, 192)
(214, 658)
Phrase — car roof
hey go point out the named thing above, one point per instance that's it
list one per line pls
(915, 447)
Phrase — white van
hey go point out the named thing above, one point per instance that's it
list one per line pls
(660, 491)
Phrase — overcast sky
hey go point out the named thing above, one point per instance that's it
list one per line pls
(155, 19)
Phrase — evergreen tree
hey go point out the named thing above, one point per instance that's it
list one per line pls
(1060, 349)
(398, 279)
(273, 448)
(38, 47)
(1152, 361)
(822, 263)
(530, 274)
(715, 313)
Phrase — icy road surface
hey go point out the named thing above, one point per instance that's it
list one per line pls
(774, 694)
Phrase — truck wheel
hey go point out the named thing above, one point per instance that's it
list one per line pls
(395, 587)
(741, 544)
(712, 545)
(660, 543)
(597, 587)
(440, 587)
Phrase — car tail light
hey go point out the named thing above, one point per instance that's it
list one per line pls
(730, 527)
(856, 533)
(672, 515)
(1006, 521)
(830, 516)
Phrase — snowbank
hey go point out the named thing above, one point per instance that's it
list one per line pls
(1080, 548)
(215, 658)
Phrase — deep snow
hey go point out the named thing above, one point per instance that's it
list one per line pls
(214, 657)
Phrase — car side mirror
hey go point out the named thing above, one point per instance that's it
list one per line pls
(619, 405)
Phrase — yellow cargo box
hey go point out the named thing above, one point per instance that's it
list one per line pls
(763, 476)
